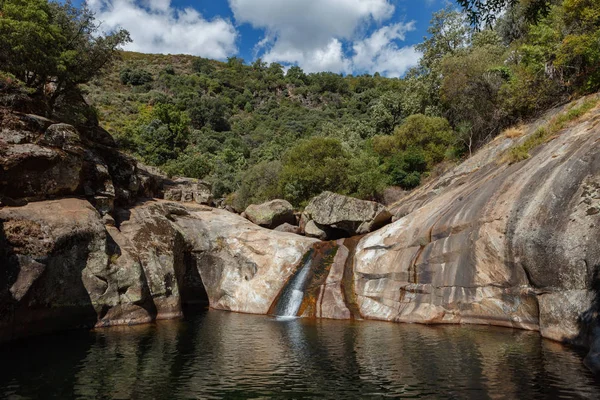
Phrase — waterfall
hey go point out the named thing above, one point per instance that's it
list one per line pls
(292, 295)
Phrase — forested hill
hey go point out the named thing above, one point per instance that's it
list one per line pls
(257, 131)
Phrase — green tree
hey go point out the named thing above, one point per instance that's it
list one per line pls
(259, 184)
(50, 44)
(486, 11)
(160, 133)
(470, 89)
(313, 166)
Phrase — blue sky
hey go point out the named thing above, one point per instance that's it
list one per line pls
(344, 36)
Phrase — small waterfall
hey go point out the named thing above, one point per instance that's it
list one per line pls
(292, 295)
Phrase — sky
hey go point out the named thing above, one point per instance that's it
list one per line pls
(341, 36)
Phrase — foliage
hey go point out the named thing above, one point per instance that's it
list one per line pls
(257, 132)
(486, 11)
(313, 166)
(44, 43)
(415, 148)
(135, 77)
(159, 133)
(259, 184)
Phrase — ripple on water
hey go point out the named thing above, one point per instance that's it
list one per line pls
(216, 354)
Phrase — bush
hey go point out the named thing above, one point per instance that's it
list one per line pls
(188, 165)
(160, 133)
(313, 166)
(135, 77)
(259, 184)
(405, 168)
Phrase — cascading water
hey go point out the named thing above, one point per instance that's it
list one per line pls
(292, 295)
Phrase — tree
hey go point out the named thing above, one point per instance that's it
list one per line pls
(485, 11)
(387, 112)
(313, 166)
(160, 133)
(54, 45)
(135, 77)
(470, 90)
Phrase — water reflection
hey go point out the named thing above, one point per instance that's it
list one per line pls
(218, 354)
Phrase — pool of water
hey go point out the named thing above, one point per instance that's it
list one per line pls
(216, 354)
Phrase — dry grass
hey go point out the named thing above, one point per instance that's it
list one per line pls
(514, 132)
(548, 132)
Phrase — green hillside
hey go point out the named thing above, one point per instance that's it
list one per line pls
(258, 131)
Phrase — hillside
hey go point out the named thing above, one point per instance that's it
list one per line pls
(258, 131)
(237, 121)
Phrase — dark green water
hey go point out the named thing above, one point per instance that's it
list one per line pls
(225, 355)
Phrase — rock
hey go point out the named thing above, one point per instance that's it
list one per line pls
(242, 266)
(31, 171)
(61, 135)
(289, 228)
(271, 214)
(55, 271)
(335, 212)
(393, 194)
(40, 159)
(188, 190)
(313, 230)
(492, 243)
(108, 220)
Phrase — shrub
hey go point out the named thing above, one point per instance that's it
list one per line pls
(259, 184)
(188, 165)
(135, 77)
(313, 166)
(545, 133)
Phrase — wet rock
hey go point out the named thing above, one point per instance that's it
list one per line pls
(271, 214)
(333, 212)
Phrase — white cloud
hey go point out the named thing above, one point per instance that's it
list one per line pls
(158, 27)
(380, 52)
(313, 33)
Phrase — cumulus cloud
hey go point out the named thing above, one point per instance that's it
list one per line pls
(158, 27)
(381, 53)
(314, 34)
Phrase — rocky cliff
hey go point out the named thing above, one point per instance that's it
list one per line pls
(83, 242)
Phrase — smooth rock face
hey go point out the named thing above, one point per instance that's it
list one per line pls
(512, 245)
(331, 211)
(271, 214)
(243, 266)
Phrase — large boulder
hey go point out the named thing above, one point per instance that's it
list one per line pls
(271, 214)
(41, 159)
(344, 216)
(243, 266)
(54, 268)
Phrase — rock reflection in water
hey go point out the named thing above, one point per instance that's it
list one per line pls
(218, 354)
